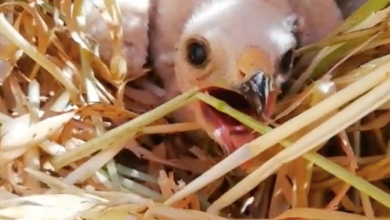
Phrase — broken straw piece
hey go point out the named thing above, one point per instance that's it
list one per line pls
(18, 135)
(46, 207)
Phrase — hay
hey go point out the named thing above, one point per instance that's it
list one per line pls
(65, 115)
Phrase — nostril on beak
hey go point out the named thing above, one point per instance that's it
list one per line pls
(242, 74)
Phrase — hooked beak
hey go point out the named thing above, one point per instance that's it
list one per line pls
(258, 86)
(257, 90)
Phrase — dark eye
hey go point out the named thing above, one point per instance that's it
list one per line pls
(286, 61)
(197, 53)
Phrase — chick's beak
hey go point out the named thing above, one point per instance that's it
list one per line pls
(258, 86)
(256, 90)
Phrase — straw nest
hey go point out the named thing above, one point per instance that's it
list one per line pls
(66, 114)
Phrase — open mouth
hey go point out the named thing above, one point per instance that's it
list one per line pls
(232, 98)
(228, 130)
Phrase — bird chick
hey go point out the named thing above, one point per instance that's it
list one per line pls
(135, 17)
(242, 52)
(166, 25)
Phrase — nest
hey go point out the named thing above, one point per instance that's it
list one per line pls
(82, 140)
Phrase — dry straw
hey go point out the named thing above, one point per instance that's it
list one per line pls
(57, 144)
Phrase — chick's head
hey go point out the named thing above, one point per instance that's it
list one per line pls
(240, 52)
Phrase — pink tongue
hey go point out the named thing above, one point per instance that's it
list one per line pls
(234, 137)
(239, 139)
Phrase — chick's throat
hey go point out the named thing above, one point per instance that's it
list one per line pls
(224, 129)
